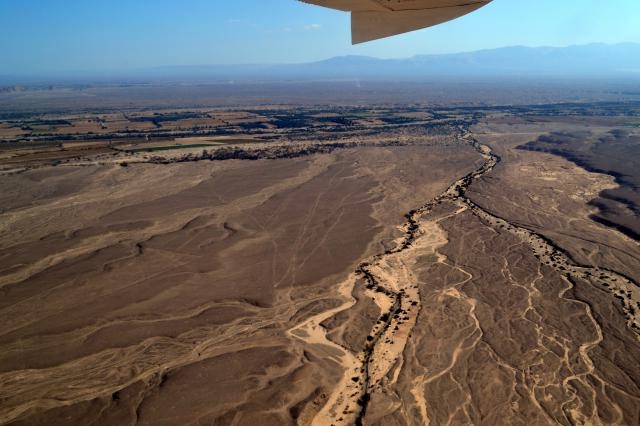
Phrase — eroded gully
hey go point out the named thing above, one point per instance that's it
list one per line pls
(390, 282)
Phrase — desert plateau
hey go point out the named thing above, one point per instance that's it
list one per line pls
(321, 265)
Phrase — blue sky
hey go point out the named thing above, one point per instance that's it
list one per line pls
(57, 35)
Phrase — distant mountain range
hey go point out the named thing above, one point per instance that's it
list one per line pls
(586, 60)
(592, 60)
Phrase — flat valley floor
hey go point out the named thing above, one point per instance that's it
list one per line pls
(446, 283)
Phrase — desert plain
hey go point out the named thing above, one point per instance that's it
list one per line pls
(392, 265)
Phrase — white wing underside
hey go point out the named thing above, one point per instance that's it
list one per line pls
(374, 19)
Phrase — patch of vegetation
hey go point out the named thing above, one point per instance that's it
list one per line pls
(168, 147)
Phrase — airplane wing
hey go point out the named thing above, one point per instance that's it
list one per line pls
(374, 19)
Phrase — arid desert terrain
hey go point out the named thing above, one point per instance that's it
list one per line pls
(315, 265)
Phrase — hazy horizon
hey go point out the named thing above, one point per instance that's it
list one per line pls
(355, 55)
(40, 37)
(619, 61)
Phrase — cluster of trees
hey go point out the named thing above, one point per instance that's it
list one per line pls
(236, 153)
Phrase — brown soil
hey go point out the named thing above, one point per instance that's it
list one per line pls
(449, 282)
(172, 293)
